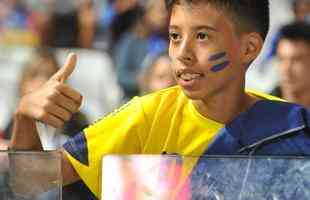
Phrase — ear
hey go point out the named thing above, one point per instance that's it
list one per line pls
(252, 44)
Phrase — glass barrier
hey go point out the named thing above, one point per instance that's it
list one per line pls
(206, 178)
(30, 176)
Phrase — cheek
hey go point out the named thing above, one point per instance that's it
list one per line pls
(172, 54)
(203, 55)
(302, 72)
(217, 61)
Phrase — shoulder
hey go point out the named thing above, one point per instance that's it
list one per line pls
(275, 116)
(276, 110)
(278, 123)
(264, 95)
(268, 128)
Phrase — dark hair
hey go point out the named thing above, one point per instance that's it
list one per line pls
(296, 31)
(248, 15)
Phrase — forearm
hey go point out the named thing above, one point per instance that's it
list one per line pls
(25, 135)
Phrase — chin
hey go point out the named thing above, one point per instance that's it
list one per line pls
(202, 94)
(194, 95)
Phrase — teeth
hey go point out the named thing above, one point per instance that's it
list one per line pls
(189, 77)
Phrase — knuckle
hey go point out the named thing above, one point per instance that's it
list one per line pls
(53, 95)
(71, 106)
(76, 107)
(67, 106)
(46, 105)
(42, 115)
(58, 86)
(54, 84)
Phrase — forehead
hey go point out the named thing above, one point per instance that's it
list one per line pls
(293, 47)
(199, 14)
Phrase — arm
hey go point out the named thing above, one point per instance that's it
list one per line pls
(53, 104)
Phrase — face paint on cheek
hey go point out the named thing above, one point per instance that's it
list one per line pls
(220, 67)
(217, 56)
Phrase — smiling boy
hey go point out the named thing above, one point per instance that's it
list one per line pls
(212, 43)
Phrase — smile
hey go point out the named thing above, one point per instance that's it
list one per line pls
(189, 76)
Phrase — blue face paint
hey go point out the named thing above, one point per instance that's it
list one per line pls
(217, 56)
(220, 67)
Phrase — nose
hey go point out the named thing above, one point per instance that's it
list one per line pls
(186, 52)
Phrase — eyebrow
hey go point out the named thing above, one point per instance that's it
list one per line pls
(206, 27)
(196, 27)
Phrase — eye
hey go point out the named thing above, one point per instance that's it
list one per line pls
(173, 36)
(202, 36)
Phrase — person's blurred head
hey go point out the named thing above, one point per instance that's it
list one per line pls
(122, 6)
(155, 16)
(301, 9)
(293, 52)
(157, 75)
(37, 71)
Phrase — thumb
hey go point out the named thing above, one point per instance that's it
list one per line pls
(63, 73)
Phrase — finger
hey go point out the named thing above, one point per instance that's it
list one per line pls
(63, 73)
(52, 120)
(70, 93)
(65, 102)
(59, 112)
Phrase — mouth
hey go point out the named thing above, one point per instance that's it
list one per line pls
(189, 76)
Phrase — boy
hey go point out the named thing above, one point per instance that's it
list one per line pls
(212, 42)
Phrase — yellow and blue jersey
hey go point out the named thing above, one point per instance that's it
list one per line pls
(163, 122)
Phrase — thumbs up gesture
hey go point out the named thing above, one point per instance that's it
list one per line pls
(55, 102)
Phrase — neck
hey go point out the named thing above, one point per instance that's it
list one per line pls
(302, 98)
(225, 106)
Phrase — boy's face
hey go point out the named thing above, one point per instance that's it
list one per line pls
(205, 50)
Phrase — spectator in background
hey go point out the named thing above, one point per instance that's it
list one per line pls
(70, 24)
(87, 17)
(156, 75)
(149, 37)
(293, 53)
(301, 10)
(53, 23)
(13, 15)
(118, 17)
(16, 24)
(35, 73)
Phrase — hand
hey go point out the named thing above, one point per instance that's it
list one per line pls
(55, 102)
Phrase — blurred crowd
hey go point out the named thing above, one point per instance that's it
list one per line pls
(122, 50)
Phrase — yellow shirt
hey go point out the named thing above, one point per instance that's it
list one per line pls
(165, 121)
